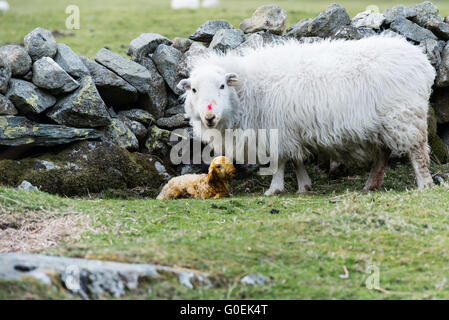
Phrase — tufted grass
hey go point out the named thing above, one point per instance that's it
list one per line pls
(303, 249)
(114, 23)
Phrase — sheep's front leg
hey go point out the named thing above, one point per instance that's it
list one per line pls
(304, 182)
(277, 183)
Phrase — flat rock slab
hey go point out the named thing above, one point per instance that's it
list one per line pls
(47, 74)
(137, 75)
(266, 18)
(82, 109)
(17, 58)
(19, 131)
(91, 278)
(145, 44)
(167, 60)
(70, 62)
(113, 90)
(411, 30)
(368, 19)
(206, 32)
(139, 115)
(28, 98)
(40, 43)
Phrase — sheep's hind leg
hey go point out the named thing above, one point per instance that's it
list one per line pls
(277, 182)
(304, 182)
(377, 173)
(419, 157)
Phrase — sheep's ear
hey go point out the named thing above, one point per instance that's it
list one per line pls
(184, 84)
(231, 78)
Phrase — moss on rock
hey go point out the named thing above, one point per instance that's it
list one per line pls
(86, 167)
(439, 151)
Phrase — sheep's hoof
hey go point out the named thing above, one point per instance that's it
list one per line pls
(272, 192)
(304, 189)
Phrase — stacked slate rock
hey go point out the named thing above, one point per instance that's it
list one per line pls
(50, 96)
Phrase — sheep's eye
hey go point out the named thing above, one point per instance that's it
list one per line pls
(218, 166)
(222, 87)
(194, 90)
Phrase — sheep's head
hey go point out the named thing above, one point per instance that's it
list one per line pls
(221, 168)
(209, 92)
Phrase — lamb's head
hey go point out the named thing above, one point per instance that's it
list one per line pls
(209, 95)
(221, 168)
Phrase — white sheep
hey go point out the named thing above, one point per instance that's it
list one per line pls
(185, 4)
(359, 101)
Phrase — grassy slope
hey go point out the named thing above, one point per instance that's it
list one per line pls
(303, 248)
(114, 23)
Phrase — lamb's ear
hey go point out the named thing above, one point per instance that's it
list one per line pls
(231, 79)
(184, 84)
(211, 176)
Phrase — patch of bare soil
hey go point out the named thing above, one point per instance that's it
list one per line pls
(31, 231)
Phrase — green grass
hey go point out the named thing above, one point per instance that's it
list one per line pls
(114, 23)
(303, 248)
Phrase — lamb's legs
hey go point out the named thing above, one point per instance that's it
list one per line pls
(419, 157)
(304, 182)
(377, 173)
(277, 182)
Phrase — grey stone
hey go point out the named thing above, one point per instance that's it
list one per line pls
(226, 39)
(135, 74)
(178, 109)
(28, 98)
(97, 278)
(136, 127)
(440, 29)
(266, 18)
(47, 74)
(196, 51)
(425, 12)
(5, 76)
(173, 122)
(155, 100)
(329, 21)
(6, 107)
(299, 30)
(182, 44)
(158, 142)
(311, 39)
(411, 30)
(84, 108)
(255, 280)
(352, 33)
(70, 62)
(206, 32)
(368, 19)
(118, 133)
(40, 43)
(145, 44)
(440, 103)
(442, 78)
(398, 12)
(17, 58)
(19, 131)
(27, 186)
(432, 49)
(167, 60)
(139, 115)
(113, 90)
(257, 39)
